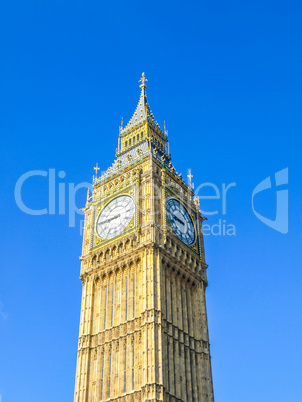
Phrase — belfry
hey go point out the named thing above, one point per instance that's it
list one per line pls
(143, 326)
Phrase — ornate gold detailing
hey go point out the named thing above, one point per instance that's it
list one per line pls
(130, 191)
(197, 202)
(188, 206)
(142, 80)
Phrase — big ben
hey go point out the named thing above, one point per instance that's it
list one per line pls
(143, 325)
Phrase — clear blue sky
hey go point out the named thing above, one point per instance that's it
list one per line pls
(226, 77)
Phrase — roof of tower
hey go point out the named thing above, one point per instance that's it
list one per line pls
(142, 112)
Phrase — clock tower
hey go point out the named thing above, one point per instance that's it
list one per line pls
(143, 326)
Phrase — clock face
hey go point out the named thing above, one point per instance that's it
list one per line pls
(180, 221)
(115, 217)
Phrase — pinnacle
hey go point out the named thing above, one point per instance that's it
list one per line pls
(142, 112)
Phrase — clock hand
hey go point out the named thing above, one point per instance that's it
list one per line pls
(178, 220)
(111, 219)
(116, 216)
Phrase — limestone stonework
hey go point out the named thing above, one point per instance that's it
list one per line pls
(143, 326)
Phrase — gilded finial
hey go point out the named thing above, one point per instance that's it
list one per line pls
(143, 80)
(122, 124)
(96, 168)
(165, 129)
(190, 178)
(197, 202)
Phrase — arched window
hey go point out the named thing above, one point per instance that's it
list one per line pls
(112, 304)
(125, 370)
(133, 297)
(105, 307)
(132, 368)
(102, 378)
(109, 376)
(126, 300)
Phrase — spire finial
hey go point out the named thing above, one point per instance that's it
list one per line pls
(165, 129)
(96, 168)
(190, 178)
(142, 80)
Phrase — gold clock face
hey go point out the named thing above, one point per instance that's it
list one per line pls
(115, 217)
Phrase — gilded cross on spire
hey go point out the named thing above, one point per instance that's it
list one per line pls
(96, 168)
(190, 178)
(142, 80)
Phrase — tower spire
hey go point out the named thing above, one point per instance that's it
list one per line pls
(142, 112)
